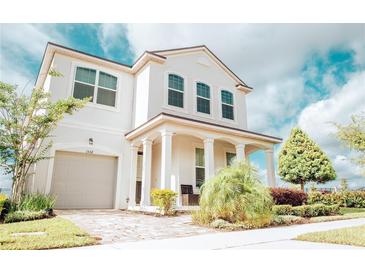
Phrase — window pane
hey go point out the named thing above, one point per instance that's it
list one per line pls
(230, 158)
(86, 75)
(227, 97)
(199, 176)
(176, 82)
(227, 112)
(81, 91)
(199, 157)
(107, 81)
(203, 105)
(203, 90)
(176, 98)
(106, 97)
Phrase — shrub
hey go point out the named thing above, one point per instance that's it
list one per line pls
(36, 202)
(282, 210)
(286, 196)
(164, 199)
(3, 199)
(8, 206)
(21, 216)
(287, 220)
(307, 211)
(342, 198)
(235, 195)
(219, 223)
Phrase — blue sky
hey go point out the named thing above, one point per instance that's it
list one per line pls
(303, 74)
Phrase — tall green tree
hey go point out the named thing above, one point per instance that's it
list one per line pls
(26, 124)
(353, 135)
(301, 160)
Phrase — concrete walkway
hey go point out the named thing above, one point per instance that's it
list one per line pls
(275, 238)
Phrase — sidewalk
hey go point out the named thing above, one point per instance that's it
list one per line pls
(276, 238)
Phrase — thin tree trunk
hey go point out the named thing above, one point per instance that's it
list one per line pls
(18, 187)
(302, 185)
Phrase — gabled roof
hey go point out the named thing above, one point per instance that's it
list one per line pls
(205, 49)
(158, 56)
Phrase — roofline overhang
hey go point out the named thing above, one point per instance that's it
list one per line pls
(167, 117)
(157, 56)
(52, 49)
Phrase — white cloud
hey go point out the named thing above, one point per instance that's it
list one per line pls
(268, 57)
(257, 52)
(109, 36)
(21, 44)
(317, 120)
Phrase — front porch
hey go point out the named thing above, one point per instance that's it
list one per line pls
(177, 153)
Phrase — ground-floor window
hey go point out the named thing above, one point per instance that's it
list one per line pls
(199, 167)
(230, 158)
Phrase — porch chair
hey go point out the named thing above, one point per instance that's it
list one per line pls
(188, 197)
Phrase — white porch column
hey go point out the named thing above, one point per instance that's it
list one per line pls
(270, 167)
(240, 152)
(166, 152)
(133, 175)
(146, 173)
(209, 158)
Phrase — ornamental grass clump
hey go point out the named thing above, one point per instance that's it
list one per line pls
(36, 202)
(235, 195)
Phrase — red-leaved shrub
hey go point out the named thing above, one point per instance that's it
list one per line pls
(286, 196)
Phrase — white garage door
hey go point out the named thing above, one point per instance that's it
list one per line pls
(83, 180)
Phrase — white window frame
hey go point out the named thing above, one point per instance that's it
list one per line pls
(93, 104)
(234, 121)
(166, 97)
(195, 88)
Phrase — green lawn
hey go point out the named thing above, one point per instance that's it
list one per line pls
(348, 210)
(347, 236)
(348, 213)
(61, 233)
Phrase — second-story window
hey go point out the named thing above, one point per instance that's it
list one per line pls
(203, 98)
(227, 104)
(84, 83)
(107, 89)
(176, 91)
(100, 86)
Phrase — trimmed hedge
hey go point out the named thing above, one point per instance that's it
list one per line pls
(342, 198)
(307, 210)
(21, 216)
(286, 196)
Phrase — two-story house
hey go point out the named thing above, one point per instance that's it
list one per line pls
(172, 119)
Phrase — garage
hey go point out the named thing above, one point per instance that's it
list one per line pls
(82, 180)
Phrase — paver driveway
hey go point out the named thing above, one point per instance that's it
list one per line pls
(123, 226)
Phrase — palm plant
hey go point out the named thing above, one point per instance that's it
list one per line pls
(236, 195)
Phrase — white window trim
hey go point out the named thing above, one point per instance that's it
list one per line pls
(234, 121)
(196, 112)
(166, 95)
(196, 190)
(93, 104)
